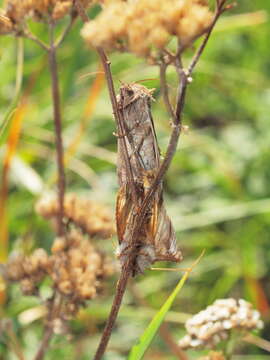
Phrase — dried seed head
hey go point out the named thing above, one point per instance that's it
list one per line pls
(28, 286)
(91, 217)
(59, 245)
(17, 11)
(76, 268)
(213, 324)
(6, 25)
(61, 9)
(138, 26)
(32, 267)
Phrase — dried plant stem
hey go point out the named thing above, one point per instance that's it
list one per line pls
(172, 345)
(44, 344)
(66, 31)
(27, 34)
(13, 343)
(58, 129)
(56, 300)
(120, 291)
(164, 88)
(117, 115)
(55, 307)
(176, 114)
(256, 340)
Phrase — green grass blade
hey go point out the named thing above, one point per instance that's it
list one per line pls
(145, 340)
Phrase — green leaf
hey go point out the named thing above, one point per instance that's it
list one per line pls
(140, 348)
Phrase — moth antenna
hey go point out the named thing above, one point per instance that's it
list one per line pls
(90, 74)
(149, 79)
(121, 82)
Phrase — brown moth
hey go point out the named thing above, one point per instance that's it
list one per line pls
(138, 162)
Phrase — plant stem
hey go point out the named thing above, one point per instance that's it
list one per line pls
(44, 344)
(120, 291)
(54, 310)
(27, 34)
(164, 88)
(58, 130)
(66, 31)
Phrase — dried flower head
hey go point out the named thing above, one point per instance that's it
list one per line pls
(91, 217)
(28, 270)
(213, 324)
(140, 25)
(75, 267)
(16, 11)
(6, 25)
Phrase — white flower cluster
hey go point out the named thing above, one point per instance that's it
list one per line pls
(213, 324)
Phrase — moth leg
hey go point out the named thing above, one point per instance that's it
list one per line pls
(128, 131)
(119, 136)
(169, 257)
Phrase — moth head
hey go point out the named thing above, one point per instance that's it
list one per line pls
(132, 92)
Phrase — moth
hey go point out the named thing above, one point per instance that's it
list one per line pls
(137, 165)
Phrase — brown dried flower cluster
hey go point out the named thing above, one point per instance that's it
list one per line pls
(140, 25)
(213, 324)
(28, 270)
(75, 267)
(16, 11)
(91, 217)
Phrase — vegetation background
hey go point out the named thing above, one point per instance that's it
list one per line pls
(217, 189)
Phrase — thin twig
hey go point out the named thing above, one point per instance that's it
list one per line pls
(19, 70)
(117, 115)
(44, 344)
(164, 88)
(258, 341)
(58, 129)
(169, 340)
(55, 308)
(117, 301)
(55, 302)
(219, 10)
(14, 344)
(65, 32)
(28, 35)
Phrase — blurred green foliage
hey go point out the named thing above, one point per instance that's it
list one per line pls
(217, 188)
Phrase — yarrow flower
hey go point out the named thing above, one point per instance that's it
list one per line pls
(138, 26)
(214, 324)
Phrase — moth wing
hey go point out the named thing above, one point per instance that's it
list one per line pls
(163, 234)
(123, 211)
